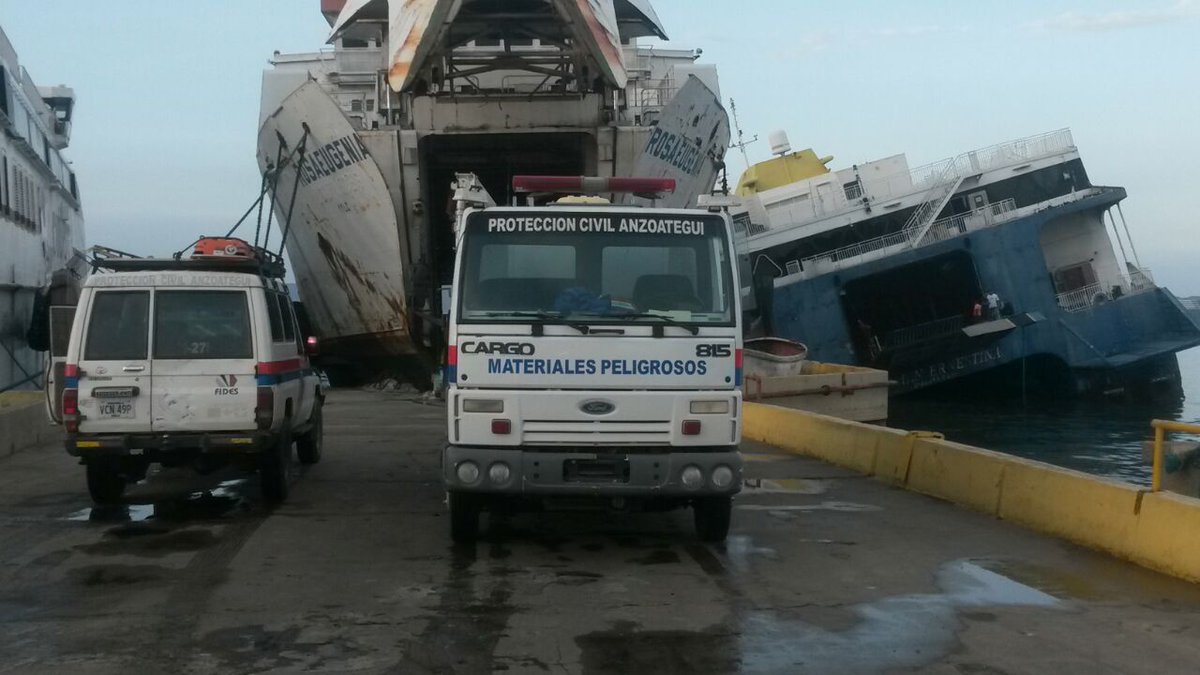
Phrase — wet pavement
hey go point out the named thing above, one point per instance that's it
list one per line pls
(824, 572)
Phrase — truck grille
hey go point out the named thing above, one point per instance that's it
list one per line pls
(543, 432)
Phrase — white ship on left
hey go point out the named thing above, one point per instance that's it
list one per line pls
(41, 223)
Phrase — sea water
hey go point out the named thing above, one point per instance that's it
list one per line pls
(1100, 437)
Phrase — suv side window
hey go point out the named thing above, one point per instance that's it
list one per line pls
(277, 334)
(119, 326)
(285, 313)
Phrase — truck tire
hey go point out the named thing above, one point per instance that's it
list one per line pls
(712, 516)
(105, 482)
(464, 517)
(273, 470)
(308, 446)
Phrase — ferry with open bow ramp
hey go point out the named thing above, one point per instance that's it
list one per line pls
(993, 272)
(360, 145)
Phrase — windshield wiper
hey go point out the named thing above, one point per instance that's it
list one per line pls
(691, 328)
(546, 317)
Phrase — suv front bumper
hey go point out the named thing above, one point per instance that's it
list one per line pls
(607, 473)
(119, 445)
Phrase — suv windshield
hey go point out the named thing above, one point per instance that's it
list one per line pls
(608, 267)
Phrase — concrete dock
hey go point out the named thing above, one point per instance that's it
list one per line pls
(825, 571)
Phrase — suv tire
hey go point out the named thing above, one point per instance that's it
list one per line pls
(308, 446)
(105, 482)
(464, 517)
(712, 516)
(273, 469)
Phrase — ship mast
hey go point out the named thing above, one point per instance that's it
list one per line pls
(741, 142)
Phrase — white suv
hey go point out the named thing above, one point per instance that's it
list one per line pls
(194, 362)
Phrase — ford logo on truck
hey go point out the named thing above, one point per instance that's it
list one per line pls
(597, 407)
(509, 348)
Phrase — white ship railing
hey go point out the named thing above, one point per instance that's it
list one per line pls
(995, 156)
(889, 244)
(892, 191)
(1139, 280)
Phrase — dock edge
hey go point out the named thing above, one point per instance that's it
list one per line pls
(1154, 530)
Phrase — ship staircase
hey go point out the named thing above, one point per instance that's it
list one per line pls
(934, 200)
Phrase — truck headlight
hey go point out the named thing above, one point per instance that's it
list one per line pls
(468, 472)
(691, 477)
(482, 405)
(722, 476)
(499, 473)
(709, 407)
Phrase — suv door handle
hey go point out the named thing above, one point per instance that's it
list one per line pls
(133, 369)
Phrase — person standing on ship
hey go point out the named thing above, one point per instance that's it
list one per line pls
(993, 306)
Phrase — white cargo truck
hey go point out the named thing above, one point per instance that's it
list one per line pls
(594, 358)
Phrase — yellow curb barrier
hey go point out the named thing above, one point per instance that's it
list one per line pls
(1156, 530)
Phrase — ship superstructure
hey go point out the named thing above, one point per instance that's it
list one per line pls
(882, 265)
(413, 93)
(41, 223)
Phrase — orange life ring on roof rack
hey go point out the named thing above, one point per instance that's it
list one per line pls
(223, 246)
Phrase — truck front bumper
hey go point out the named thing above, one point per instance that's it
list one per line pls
(607, 473)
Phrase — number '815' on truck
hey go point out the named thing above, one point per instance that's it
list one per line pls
(594, 359)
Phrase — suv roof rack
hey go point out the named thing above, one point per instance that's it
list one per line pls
(210, 254)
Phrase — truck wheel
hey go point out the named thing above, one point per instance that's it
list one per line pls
(273, 470)
(712, 516)
(464, 517)
(105, 483)
(308, 446)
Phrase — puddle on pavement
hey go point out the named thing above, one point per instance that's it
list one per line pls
(1094, 576)
(1058, 582)
(795, 486)
(222, 501)
(892, 633)
(145, 540)
(625, 649)
(741, 552)
(846, 507)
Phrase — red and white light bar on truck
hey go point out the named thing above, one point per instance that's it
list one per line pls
(650, 188)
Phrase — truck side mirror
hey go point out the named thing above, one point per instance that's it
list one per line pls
(312, 346)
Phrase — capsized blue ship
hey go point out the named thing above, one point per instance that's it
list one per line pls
(1001, 271)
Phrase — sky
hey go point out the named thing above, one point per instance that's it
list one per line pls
(168, 94)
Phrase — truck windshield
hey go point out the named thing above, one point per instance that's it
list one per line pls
(608, 267)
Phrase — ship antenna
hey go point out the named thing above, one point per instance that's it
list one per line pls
(741, 142)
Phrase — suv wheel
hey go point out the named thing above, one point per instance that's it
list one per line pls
(712, 516)
(464, 517)
(105, 482)
(308, 446)
(273, 470)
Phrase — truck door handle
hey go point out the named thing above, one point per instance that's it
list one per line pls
(133, 369)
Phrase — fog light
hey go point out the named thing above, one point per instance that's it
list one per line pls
(691, 477)
(468, 472)
(709, 407)
(498, 473)
(482, 405)
(501, 427)
(690, 428)
(722, 477)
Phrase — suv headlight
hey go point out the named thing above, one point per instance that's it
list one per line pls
(709, 407)
(482, 405)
